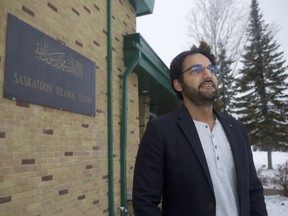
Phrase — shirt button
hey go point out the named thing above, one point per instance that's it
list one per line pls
(215, 146)
(211, 205)
(217, 158)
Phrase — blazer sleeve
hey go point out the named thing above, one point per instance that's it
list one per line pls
(148, 173)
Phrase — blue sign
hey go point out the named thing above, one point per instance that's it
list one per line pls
(43, 71)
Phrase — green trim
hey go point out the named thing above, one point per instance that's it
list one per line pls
(110, 110)
(123, 141)
(142, 7)
(153, 76)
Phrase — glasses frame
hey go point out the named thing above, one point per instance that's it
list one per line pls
(198, 69)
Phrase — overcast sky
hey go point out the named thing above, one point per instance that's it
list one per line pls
(166, 29)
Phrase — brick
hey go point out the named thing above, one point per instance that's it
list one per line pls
(63, 192)
(22, 104)
(52, 6)
(68, 153)
(87, 9)
(95, 202)
(97, 8)
(117, 39)
(85, 125)
(47, 131)
(47, 178)
(99, 111)
(28, 11)
(5, 199)
(28, 161)
(89, 166)
(2, 135)
(75, 11)
(96, 43)
(19, 169)
(78, 43)
(81, 197)
(14, 162)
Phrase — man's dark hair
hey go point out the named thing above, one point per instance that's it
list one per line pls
(176, 66)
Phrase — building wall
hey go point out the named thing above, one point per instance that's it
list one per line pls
(54, 162)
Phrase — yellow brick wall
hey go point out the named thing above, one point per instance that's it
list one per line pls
(54, 162)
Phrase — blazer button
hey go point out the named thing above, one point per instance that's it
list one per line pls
(211, 205)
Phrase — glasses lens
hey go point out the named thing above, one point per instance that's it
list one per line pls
(214, 69)
(196, 68)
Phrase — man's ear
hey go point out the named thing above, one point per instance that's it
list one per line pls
(177, 85)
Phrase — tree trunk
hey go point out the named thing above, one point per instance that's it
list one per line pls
(269, 157)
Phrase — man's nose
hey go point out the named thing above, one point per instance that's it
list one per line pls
(206, 73)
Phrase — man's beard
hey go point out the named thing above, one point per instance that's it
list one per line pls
(198, 97)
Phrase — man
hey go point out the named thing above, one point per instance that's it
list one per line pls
(197, 160)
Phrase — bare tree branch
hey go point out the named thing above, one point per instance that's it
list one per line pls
(220, 22)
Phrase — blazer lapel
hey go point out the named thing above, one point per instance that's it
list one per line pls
(187, 125)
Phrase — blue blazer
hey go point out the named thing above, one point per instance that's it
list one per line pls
(171, 168)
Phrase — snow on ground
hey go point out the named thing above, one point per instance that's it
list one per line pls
(276, 205)
(260, 158)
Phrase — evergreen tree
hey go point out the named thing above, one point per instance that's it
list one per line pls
(261, 85)
(225, 90)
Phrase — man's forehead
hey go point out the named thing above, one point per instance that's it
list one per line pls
(197, 58)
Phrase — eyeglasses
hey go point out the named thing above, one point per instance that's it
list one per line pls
(198, 68)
